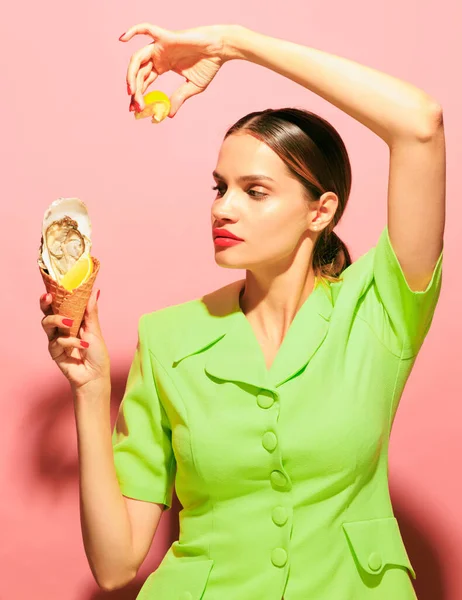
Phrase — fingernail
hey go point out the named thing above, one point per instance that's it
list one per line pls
(131, 108)
(122, 35)
(43, 297)
(129, 92)
(97, 295)
(84, 344)
(68, 322)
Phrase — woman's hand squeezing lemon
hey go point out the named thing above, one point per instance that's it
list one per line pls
(196, 54)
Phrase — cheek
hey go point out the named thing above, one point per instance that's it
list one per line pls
(279, 231)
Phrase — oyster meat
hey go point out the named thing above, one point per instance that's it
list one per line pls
(66, 236)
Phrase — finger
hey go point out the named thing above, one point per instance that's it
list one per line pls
(143, 73)
(144, 29)
(51, 324)
(45, 304)
(59, 346)
(139, 58)
(179, 97)
(151, 77)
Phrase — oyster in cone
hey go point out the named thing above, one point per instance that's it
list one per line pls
(66, 236)
(67, 268)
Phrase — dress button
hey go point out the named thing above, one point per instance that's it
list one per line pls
(375, 561)
(278, 478)
(280, 515)
(279, 557)
(269, 441)
(186, 596)
(265, 400)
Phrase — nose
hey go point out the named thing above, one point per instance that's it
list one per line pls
(224, 208)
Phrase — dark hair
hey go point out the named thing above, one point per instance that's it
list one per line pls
(314, 152)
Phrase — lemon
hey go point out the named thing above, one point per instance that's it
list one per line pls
(78, 274)
(156, 96)
(157, 105)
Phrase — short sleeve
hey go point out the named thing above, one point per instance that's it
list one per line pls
(410, 313)
(141, 438)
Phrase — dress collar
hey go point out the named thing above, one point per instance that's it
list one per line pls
(221, 330)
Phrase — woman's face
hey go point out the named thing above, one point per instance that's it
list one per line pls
(272, 216)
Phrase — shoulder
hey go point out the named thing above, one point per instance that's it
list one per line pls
(356, 278)
(166, 328)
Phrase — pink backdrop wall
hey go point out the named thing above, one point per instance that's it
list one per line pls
(66, 131)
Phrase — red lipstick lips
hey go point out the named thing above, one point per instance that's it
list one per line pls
(222, 237)
(225, 233)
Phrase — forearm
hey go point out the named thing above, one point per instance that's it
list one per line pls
(391, 108)
(104, 518)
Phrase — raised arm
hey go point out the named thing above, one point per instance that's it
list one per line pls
(405, 117)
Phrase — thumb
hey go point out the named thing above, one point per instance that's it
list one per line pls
(179, 97)
(91, 312)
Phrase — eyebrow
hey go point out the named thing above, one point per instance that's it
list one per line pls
(256, 177)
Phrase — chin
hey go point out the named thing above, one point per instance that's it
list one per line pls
(224, 258)
(229, 264)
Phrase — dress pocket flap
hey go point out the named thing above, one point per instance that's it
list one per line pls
(376, 543)
(177, 579)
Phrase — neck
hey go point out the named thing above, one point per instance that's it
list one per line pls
(272, 306)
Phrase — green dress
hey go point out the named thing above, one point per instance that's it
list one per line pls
(281, 472)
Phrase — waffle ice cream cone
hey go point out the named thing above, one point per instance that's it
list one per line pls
(66, 265)
(70, 304)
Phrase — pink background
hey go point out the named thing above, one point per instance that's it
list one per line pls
(66, 131)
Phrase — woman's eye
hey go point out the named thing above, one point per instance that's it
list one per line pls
(253, 193)
(258, 194)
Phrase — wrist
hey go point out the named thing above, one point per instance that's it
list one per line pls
(234, 39)
(94, 390)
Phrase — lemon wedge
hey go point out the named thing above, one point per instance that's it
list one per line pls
(78, 274)
(157, 106)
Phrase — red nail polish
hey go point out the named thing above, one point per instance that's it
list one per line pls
(129, 92)
(97, 295)
(84, 344)
(43, 297)
(122, 35)
(68, 322)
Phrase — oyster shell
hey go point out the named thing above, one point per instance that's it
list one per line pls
(66, 236)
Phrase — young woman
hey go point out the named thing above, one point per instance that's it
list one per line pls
(268, 403)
